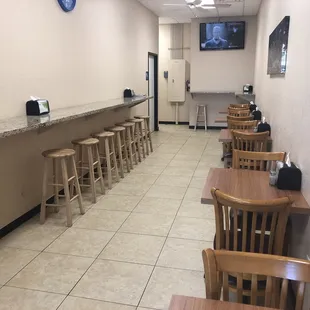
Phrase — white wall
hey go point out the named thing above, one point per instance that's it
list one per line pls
(90, 54)
(285, 100)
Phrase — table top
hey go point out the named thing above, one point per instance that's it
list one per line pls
(249, 184)
(20, 124)
(194, 303)
(246, 97)
(226, 136)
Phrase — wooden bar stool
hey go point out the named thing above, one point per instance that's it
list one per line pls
(146, 132)
(122, 152)
(138, 136)
(200, 107)
(130, 144)
(62, 156)
(92, 164)
(108, 154)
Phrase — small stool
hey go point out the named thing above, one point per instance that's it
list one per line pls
(93, 159)
(62, 156)
(108, 154)
(146, 133)
(122, 152)
(198, 111)
(130, 144)
(138, 136)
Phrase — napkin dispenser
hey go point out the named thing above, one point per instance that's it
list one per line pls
(37, 107)
(289, 178)
(129, 93)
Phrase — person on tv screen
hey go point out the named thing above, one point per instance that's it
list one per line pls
(216, 41)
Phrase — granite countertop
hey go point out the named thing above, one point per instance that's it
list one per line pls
(20, 124)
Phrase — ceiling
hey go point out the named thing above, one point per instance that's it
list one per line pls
(184, 14)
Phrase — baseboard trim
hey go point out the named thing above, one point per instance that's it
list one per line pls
(172, 123)
(22, 219)
(208, 127)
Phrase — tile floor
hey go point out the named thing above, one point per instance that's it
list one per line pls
(133, 249)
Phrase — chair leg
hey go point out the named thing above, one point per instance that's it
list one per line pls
(197, 113)
(205, 115)
(120, 153)
(133, 144)
(149, 134)
(114, 160)
(44, 192)
(91, 173)
(99, 170)
(137, 141)
(66, 189)
(128, 145)
(77, 185)
(126, 151)
(81, 163)
(108, 159)
(56, 187)
(141, 138)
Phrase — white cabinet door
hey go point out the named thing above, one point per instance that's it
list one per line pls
(176, 80)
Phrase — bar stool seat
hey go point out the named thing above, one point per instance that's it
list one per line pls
(103, 134)
(93, 164)
(62, 156)
(146, 132)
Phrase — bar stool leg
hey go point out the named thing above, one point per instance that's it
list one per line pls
(99, 170)
(149, 135)
(44, 192)
(205, 115)
(120, 153)
(108, 159)
(129, 146)
(137, 141)
(126, 151)
(114, 160)
(77, 185)
(56, 187)
(67, 192)
(91, 173)
(197, 113)
(141, 138)
(146, 133)
(133, 144)
(81, 161)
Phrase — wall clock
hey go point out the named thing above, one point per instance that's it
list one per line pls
(67, 5)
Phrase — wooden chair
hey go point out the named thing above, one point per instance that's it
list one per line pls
(62, 157)
(239, 118)
(241, 124)
(238, 112)
(277, 269)
(252, 142)
(262, 161)
(250, 225)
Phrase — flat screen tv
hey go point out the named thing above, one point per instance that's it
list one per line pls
(222, 36)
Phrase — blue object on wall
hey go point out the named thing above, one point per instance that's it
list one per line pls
(147, 76)
(166, 74)
(67, 5)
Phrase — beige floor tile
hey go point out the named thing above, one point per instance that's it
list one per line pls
(133, 248)
(168, 148)
(208, 164)
(114, 281)
(148, 224)
(81, 242)
(201, 173)
(139, 178)
(102, 220)
(183, 163)
(196, 209)
(52, 273)
(193, 228)
(193, 194)
(159, 155)
(118, 203)
(184, 157)
(215, 159)
(166, 282)
(32, 236)
(212, 151)
(183, 171)
(171, 192)
(156, 161)
(129, 189)
(197, 183)
(12, 261)
(183, 254)
(173, 180)
(12, 298)
(158, 205)
(77, 303)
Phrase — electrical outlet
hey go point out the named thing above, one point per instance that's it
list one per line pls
(308, 257)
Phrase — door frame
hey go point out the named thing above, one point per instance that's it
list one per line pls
(156, 128)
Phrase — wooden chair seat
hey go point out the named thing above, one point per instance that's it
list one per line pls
(87, 141)
(58, 153)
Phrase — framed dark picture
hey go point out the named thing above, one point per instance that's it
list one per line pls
(278, 45)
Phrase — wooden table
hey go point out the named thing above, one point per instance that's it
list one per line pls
(249, 184)
(226, 136)
(194, 303)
